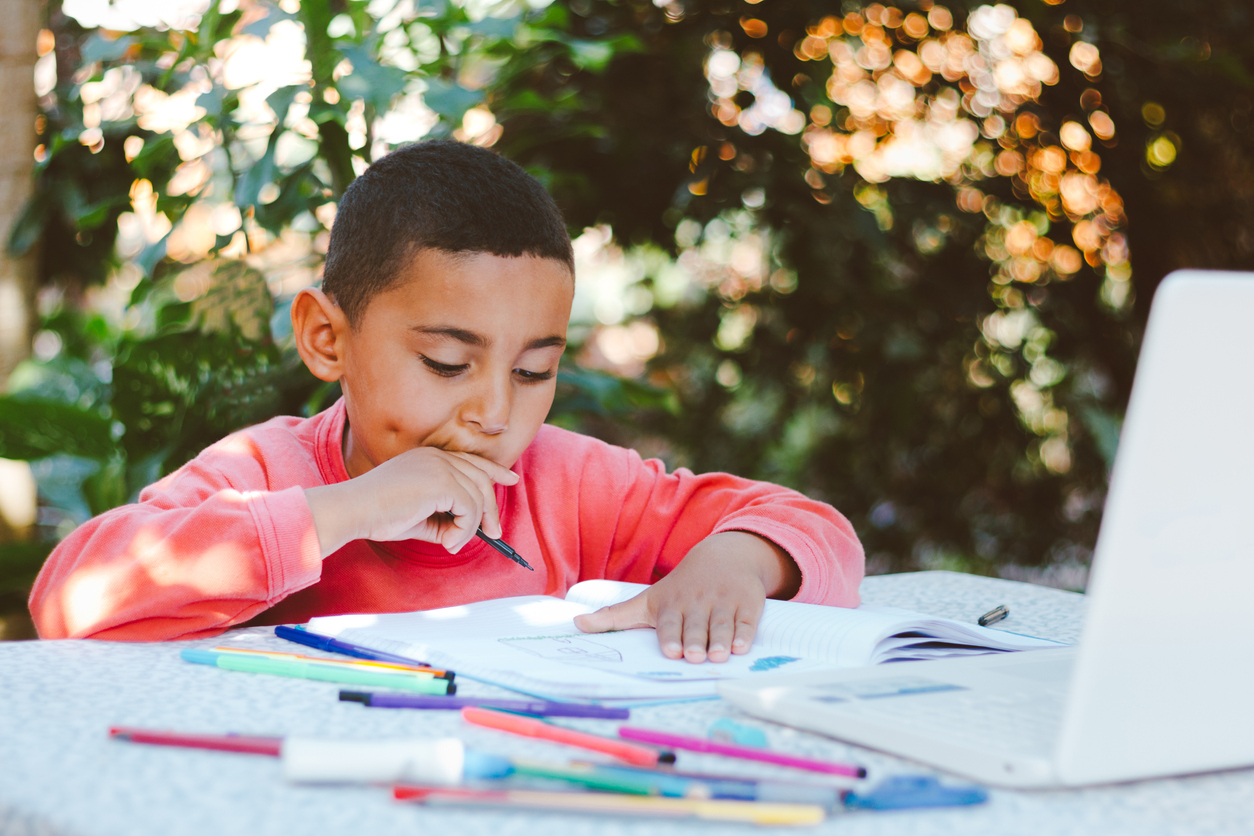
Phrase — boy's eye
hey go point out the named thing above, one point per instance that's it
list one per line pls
(444, 369)
(533, 377)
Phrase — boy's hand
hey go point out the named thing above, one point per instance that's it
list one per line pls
(424, 494)
(708, 607)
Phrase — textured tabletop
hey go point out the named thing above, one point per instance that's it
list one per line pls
(60, 774)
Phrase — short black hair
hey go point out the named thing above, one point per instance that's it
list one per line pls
(442, 195)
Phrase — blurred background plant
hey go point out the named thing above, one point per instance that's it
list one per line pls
(895, 255)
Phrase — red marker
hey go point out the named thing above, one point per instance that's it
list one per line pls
(222, 742)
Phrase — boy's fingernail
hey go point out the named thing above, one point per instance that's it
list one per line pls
(674, 648)
(717, 648)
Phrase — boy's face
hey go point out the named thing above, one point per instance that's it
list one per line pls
(461, 354)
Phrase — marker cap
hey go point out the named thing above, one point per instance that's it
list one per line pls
(442, 761)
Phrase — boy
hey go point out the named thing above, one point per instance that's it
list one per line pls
(443, 312)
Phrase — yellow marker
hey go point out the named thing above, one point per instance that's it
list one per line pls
(352, 663)
(753, 812)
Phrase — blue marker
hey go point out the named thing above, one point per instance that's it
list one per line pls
(901, 792)
(302, 636)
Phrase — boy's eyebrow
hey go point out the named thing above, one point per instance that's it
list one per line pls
(545, 342)
(449, 332)
(479, 340)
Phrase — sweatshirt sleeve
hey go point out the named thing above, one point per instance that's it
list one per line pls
(204, 549)
(637, 522)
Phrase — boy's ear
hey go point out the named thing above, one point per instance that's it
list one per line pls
(321, 330)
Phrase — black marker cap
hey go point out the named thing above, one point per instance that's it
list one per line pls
(357, 696)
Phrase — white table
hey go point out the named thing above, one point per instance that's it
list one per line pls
(59, 774)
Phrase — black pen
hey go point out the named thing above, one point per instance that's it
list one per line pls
(504, 548)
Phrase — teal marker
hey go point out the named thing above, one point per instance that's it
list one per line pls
(326, 673)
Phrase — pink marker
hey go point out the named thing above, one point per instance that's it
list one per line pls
(697, 744)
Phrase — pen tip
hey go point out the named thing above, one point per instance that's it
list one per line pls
(666, 757)
(861, 772)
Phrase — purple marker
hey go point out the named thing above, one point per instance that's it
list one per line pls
(538, 707)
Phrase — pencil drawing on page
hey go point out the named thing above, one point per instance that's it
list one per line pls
(565, 648)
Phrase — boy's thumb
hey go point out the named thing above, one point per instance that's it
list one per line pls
(627, 615)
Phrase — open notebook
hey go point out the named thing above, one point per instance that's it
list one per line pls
(530, 643)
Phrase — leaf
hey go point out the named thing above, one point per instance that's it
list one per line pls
(159, 155)
(1104, 426)
(211, 100)
(60, 479)
(29, 226)
(106, 488)
(63, 379)
(450, 100)
(248, 187)
(92, 216)
(153, 253)
(601, 393)
(432, 8)
(102, 48)
(280, 101)
(496, 27)
(370, 80)
(33, 428)
(238, 300)
(261, 28)
(590, 55)
(295, 191)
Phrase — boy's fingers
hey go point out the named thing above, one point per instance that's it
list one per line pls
(746, 629)
(722, 631)
(696, 636)
(503, 475)
(469, 466)
(670, 625)
(466, 510)
(626, 615)
(490, 520)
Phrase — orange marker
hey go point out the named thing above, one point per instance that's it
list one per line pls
(528, 727)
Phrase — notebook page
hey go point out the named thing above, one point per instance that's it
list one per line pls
(807, 632)
(489, 640)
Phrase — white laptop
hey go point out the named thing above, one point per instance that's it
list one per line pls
(1162, 681)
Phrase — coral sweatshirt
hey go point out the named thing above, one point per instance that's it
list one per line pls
(228, 538)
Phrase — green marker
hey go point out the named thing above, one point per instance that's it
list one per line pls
(590, 777)
(313, 670)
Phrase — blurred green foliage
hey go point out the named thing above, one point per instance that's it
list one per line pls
(962, 415)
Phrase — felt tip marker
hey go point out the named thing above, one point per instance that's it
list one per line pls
(539, 707)
(728, 787)
(302, 636)
(440, 761)
(356, 664)
(616, 804)
(504, 548)
(697, 744)
(530, 727)
(313, 670)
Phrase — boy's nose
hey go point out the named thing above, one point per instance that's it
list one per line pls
(489, 407)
